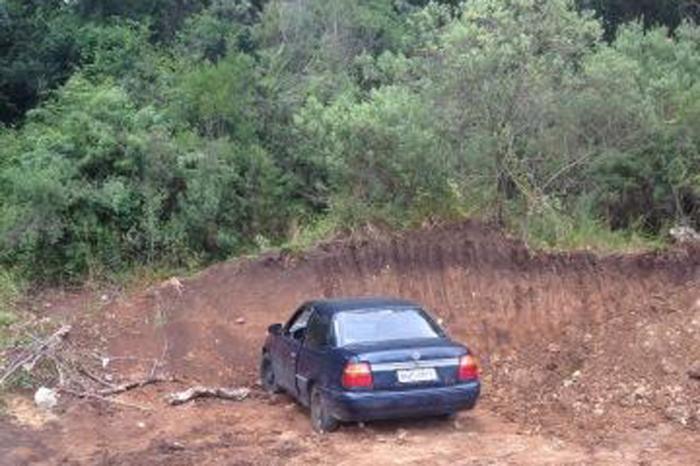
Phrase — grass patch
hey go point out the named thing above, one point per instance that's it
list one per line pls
(10, 292)
(550, 228)
(7, 318)
(312, 233)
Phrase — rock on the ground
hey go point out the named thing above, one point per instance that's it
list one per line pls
(694, 371)
(174, 283)
(684, 234)
(45, 398)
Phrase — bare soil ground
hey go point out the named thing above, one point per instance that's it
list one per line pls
(586, 359)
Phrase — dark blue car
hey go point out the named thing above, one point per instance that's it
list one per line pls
(366, 359)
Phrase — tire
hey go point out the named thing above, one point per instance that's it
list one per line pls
(449, 417)
(267, 377)
(321, 420)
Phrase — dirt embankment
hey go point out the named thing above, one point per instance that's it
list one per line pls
(580, 347)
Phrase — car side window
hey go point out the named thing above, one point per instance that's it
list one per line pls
(317, 335)
(299, 322)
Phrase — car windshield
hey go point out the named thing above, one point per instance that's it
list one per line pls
(376, 325)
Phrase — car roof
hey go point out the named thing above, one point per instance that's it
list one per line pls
(332, 306)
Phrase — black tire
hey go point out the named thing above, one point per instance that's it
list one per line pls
(321, 420)
(267, 377)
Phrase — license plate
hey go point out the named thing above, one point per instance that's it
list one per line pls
(416, 375)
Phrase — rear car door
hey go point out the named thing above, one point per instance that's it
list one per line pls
(289, 346)
(313, 363)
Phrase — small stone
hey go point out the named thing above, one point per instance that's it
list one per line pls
(240, 321)
(401, 435)
(679, 414)
(553, 348)
(521, 377)
(167, 447)
(694, 371)
(668, 367)
(684, 234)
(141, 425)
(104, 298)
(640, 393)
(46, 398)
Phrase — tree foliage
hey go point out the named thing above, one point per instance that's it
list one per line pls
(166, 131)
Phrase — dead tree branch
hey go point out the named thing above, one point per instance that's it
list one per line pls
(235, 394)
(36, 352)
(95, 396)
(125, 387)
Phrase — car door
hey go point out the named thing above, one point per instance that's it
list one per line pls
(313, 362)
(289, 346)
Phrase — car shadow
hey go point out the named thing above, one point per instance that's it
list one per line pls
(464, 422)
(467, 422)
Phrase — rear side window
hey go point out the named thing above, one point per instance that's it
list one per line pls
(377, 325)
(317, 335)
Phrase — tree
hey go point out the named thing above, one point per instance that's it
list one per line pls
(503, 76)
(653, 13)
(37, 53)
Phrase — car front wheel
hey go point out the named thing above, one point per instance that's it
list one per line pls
(267, 376)
(321, 419)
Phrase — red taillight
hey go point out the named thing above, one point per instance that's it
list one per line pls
(468, 368)
(357, 375)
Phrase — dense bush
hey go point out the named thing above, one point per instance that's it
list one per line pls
(166, 132)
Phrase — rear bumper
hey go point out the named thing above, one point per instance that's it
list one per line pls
(367, 406)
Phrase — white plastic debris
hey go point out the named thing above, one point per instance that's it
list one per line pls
(45, 398)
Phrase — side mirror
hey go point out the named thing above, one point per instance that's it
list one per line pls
(274, 329)
(299, 333)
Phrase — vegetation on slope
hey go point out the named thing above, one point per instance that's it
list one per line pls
(176, 132)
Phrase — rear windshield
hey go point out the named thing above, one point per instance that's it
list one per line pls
(376, 325)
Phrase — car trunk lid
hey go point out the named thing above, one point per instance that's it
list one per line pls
(401, 365)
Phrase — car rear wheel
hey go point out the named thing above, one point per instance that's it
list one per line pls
(321, 419)
(267, 376)
(449, 416)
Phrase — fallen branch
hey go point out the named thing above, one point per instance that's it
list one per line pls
(132, 385)
(68, 370)
(235, 394)
(103, 398)
(34, 354)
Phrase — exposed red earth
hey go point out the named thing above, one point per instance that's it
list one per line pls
(586, 359)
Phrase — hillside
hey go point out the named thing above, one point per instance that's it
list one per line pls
(585, 358)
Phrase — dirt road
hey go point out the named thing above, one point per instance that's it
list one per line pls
(585, 358)
(276, 432)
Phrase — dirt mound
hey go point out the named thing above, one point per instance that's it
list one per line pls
(582, 347)
(563, 338)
